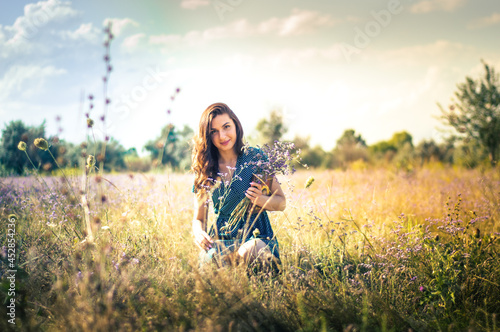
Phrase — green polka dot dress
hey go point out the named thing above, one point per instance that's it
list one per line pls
(228, 195)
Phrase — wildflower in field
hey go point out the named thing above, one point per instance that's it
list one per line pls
(90, 122)
(278, 160)
(421, 288)
(79, 277)
(309, 182)
(41, 144)
(22, 146)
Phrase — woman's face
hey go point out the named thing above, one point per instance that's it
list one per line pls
(223, 132)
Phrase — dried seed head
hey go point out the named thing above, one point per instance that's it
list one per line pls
(309, 182)
(22, 146)
(90, 161)
(41, 144)
(256, 233)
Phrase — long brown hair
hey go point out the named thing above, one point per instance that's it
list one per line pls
(205, 157)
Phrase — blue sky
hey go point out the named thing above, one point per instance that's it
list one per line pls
(375, 66)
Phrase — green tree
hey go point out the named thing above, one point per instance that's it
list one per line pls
(401, 139)
(175, 145)
(350, 139)
(475, 111)
(350, 147)
(427, 151)
(470, 154)
(271, 129)
(114, 155)
(311, 156)
(11, 157)
(382, 147)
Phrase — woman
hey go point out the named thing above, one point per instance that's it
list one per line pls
(222, 168)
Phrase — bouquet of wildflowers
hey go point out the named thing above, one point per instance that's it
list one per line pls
(277, 159)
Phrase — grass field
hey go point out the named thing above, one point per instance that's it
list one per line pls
(362, 250)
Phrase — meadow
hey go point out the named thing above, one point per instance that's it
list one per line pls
(361, 250)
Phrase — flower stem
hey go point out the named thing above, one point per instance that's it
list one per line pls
(64, 174)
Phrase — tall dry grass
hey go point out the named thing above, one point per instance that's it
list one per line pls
(369, 250)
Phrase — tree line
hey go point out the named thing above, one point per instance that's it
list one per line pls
(474, 115)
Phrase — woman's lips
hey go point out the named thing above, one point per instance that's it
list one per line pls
(226, 142)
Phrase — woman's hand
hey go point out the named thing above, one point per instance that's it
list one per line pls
(254, 192)
(202, 239)
(274, 201)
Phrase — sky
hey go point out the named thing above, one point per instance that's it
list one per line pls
(376, 66)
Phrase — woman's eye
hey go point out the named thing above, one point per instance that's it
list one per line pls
(226, 126)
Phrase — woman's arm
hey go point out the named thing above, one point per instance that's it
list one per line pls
(201, 238)
(276, 201)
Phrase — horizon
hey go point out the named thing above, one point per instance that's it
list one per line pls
(376, 67)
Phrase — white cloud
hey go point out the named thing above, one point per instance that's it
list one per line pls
(86, 31)
(440, 51)
(239, 28)
(482, 22)
(298, 23)
(2, 35)
(193, 4)
(119, 25)
(298, 57)
(34, 25)
(131, 43)
(427, 6)
(37, 16)
(26, 79)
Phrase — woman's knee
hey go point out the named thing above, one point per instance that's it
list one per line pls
(252, 249)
